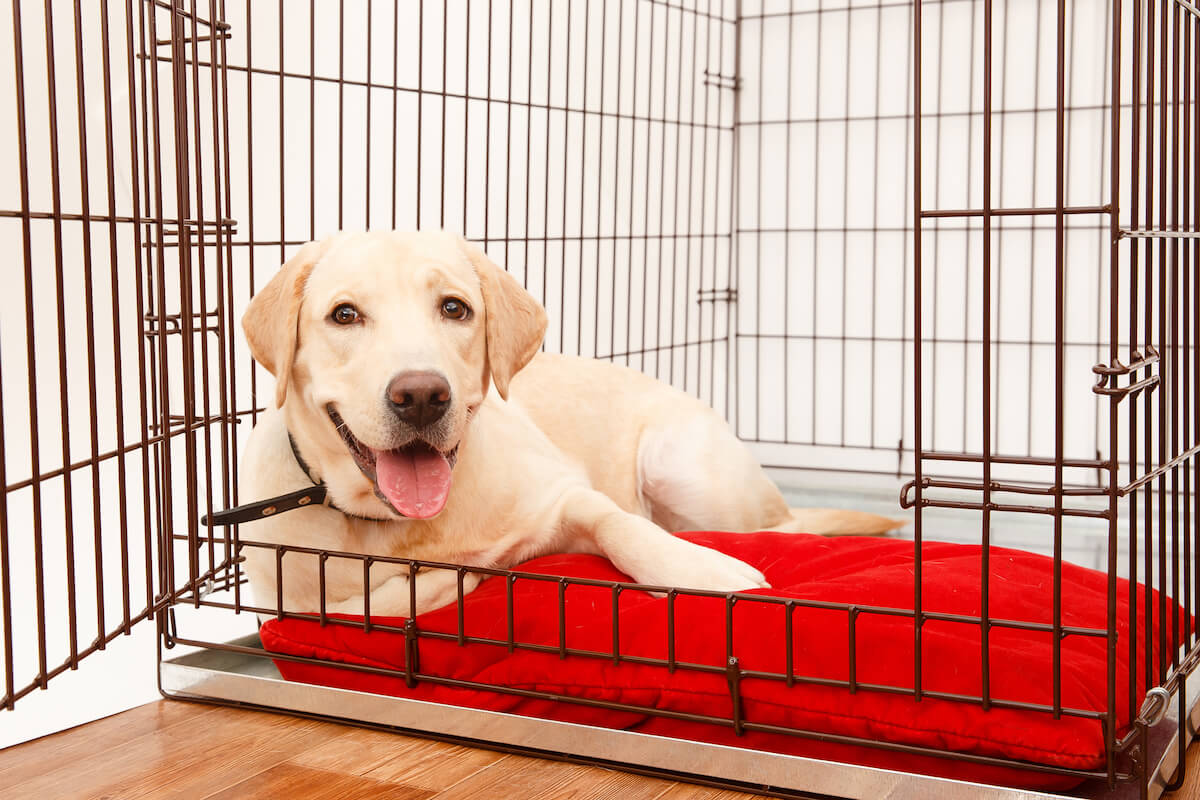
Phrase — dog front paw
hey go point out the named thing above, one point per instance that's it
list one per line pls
(685, 565)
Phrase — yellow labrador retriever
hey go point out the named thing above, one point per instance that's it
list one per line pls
(409, 383)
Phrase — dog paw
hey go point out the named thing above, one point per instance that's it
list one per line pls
(692, 566)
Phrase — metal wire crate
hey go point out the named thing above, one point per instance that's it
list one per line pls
(945, 249)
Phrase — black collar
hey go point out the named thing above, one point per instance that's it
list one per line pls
(317, 494)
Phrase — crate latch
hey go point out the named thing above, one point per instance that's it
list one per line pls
(1110, 374)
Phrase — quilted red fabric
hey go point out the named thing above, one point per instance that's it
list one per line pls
(869, 572)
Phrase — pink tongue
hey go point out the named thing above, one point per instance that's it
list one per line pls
(415, 479)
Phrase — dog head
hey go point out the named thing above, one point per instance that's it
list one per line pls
(383, 345)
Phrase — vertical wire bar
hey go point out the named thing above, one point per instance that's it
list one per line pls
(600, 184)
(966, 256)
(460, 590)
(412, 595)
(528, 160)
(1162, 338)
(341, 115)
(1000, 238)
(508, 138)
(117, 317)
(396, 103)
(852, 648)
(312, 122)
(60, 297)
(662, 201)
(813, 310)
(1187, 311)
(633, 125)
(6, 619)
(1195, 248)
(918, 405)
(1174, 345)
(89, 322)
(366, 124)
(789, 608)
(321, 582)
(442, 129)
(250, 215)
(677, 122)
(583, 129)
(1030, 381)
(1148, 323)
(715, 232)
(1059, 340)
(141, 207)
(487, 139)
(508, 610)
(562, 283)
(466, 165)
(420, 102)
(529, 142)
(691, 193)
(646, 207)
(939, 124)
(871, 371)
(155, 279)
(787, 205)
(1113, 333)
(366, 620)
(758, 235)
(546, 142)
(30, 349)
(562, 615)
(845, 310)
(279, 550)
(730, 601)
(732, 356)
(909, 130)
(671, 595)
(616, 625)
(985, 554)
(1134, 251)
(183, 212)
(194, 488)
(227, 381)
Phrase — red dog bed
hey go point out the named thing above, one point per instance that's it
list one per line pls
(869, 572)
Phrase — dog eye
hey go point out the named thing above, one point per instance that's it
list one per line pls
(453, 308)
(345, 314)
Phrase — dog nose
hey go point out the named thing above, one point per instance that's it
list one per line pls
(419, 398)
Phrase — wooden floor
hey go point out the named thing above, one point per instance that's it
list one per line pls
(170, 749)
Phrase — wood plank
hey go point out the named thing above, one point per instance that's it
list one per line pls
(512, 776)
(222, 746)
(292, 781)
(30, 759)
(399, 759)
(538, 779)
(689, 791)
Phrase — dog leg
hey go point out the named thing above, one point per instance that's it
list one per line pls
(836, 522)
(696, 475)
(649, 554)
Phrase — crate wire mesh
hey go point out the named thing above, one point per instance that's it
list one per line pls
(767, 204)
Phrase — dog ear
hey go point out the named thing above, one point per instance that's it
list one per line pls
(515, 322)
(272, 319)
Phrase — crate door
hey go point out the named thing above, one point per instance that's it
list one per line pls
(114, 429)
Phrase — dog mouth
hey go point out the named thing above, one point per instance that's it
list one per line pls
(414, 480)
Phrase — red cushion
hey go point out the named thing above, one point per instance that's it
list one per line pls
(865, 571)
